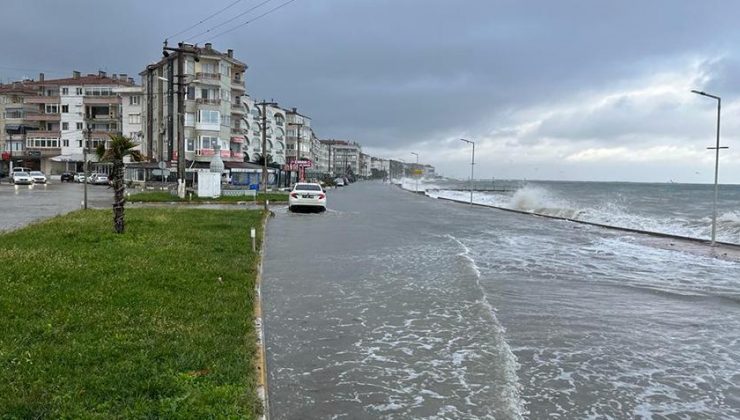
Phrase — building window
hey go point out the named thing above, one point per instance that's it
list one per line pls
(65, 143)
(134, 100)
(42, 143)
(65, 108)
(191, 93)
(209, 116)
(79, 126)
(79, 91)
(226, 121)
(79, 143)
(134, 119)
(189, 119)
(189, 145)
(65, 91)
(208, 142)
(65, 126)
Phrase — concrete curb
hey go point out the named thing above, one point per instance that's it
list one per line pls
(261, 359)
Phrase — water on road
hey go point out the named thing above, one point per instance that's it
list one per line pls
(395, 305)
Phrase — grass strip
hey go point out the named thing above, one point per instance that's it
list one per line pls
(166, 197)
(156, 322)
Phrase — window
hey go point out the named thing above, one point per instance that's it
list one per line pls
(42, 143)
(189, 119)
(65, 91)
(191, 93)
(208, 68)
(52, 108)
(51, 92)
(65, 108)
(65, 143)
(79, 143)
(134, 119)
(189, 145)
(224, 69)
(226, 120)
(209, 117)
(78, 91)
(79, 126)
(208, 142)
(65, 126)
(134, 100)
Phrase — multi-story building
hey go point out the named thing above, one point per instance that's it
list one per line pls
(344, 157)
(131, 110)
(13, 124)
(51, 118)
(251, 126)
(214, 109)
(299, 137)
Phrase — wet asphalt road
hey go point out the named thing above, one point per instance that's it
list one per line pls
(24, 204)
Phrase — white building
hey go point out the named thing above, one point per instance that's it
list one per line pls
(131, 111)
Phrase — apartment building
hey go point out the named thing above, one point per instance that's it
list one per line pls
(215, 111)
(344, 157)
(299, 137)
(131, 112)
(46, 121)
(275, 135)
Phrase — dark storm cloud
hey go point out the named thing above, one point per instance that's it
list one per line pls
(394, 73)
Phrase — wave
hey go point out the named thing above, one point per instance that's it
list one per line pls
(539, 200)
(508, 395)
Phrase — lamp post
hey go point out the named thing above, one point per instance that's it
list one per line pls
(716, 164)
(472, 165)
(416, 168)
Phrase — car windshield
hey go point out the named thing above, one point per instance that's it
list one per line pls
(307, 187)
(36, 173)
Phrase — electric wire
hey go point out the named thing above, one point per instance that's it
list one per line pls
(252, 20)
(194, 37)
(204, 20)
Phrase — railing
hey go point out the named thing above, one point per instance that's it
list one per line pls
(279, 123)
(207, 76)
(238, 155)
(204, 101)
(205, 152)
(37, 116)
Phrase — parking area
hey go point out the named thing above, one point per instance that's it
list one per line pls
(24, 204)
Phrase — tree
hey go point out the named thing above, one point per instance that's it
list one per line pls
(119, 147)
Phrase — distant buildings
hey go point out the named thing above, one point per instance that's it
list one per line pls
(44, 123)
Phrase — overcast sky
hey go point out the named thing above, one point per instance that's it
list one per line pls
(572, 90)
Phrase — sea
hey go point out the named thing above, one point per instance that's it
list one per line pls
(399, 305)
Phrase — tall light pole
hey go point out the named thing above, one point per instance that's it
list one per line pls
(416, 169)
(472, 165)
(716, 164)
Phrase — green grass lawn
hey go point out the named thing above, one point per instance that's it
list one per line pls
(156, 322)
(166, 197)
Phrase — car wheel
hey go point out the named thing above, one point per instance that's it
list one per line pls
(290, 208)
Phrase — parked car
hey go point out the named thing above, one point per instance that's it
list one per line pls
(38, 177)
(21, 178)
(80, 177)
(339, 182)
(307, 195)
(67, 177)
(100, 179)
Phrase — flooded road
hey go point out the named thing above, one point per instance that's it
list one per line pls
(24, 204)
(393, 305)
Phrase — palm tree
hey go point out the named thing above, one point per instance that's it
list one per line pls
(120, 147)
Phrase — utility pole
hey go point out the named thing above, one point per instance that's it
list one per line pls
(298, 150)
(86, 168)
(264, 104)
(181, 50)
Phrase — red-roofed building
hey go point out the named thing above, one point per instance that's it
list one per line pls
(43, 122)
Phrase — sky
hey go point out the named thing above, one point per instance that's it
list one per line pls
(561, 90)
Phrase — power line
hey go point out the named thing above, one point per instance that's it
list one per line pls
(250, 21)
(230, 20)
(204, 20)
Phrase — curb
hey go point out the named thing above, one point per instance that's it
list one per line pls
(261, 360)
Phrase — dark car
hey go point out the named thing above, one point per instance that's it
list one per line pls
(68, 177)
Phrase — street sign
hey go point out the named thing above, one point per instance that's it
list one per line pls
(418, 172)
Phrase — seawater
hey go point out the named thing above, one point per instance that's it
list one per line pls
(394, 305)
(677, 209)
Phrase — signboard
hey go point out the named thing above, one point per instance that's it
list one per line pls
(418, 172)
(298, 165)
(34, 153)
(6, 156)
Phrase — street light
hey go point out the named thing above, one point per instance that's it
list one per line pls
(472, 165)
(716, 164)
(416, 168)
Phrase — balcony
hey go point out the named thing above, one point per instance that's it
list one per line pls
(237, 139)
(204, 101)
(238, 85)
(208, 78)
(101, 100)
(237, 155)
(205, 152)
(279, 123)
(105, 117)
(45, 134)
(41, 99)
(237, 109)
(37, 116)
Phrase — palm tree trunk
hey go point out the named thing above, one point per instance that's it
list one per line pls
(119, 198)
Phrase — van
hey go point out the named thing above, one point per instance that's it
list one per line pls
(20, 169)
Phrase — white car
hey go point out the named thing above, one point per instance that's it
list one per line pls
(99, 179)
(80, 177)
(307, 195)
(339, 182)
(38, 177)
(20, 177)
